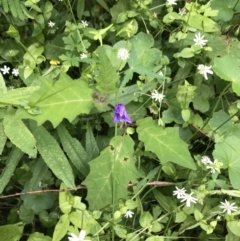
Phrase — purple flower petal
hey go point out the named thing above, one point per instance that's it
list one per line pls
(120, 114)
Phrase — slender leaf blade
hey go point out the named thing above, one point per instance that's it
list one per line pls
(11, 163)
(53, 155)
(74, 150)
(19, 134)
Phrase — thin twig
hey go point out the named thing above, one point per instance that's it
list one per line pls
(154, 183)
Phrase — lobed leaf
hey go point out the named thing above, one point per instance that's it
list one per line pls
(165, 143)
(104, 171)
(64, 98)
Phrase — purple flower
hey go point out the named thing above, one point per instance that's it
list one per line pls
(120, 114)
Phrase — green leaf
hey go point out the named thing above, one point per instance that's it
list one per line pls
(64, 98)
(38, 174)
(74, 150)
(145, 219)
(38, 202)
(65, 200)
(160, 141)
(3, 89)
(165, 202)
(3, 137)
(221, 122)
(38, 237)
(91, 144)
(107, 77)
(200, 22)
(228, 153)
(234, 227)
(61, 228)
(11, 232)
(19, 134)
(103, 170)
(225, 9)
(227, 68)
(16, 96)
(143, 57)
(11, 163)
(53, 155)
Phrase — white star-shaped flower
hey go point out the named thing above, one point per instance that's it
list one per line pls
(179, 192)
(172, 2)
(15, 72)
(5, 69)
(84, 23)
(122, 54)
(128, 214)
(227, 207)
(83, 56)
(51, 24)
(214, 166)
(206, 160)
(182, 11)
(188, 199)
(81, 236)
(157, 96)
(204, 70)
(199, 40)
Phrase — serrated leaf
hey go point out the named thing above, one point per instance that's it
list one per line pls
(107, 77)
(74, 150)
(64, 98)
(19, 134)
(11, 163)
(228, 68)
(103, 170)
(165, 143)
(228, 153)
(53, 155)
(15, 96)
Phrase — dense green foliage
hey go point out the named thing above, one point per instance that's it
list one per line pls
(173, 173)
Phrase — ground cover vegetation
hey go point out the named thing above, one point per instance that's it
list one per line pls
(119, 120)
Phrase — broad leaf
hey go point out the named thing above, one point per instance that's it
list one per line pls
(64, 98)
(228, 68)
(165, 143)
(228, 153)
(104, 170)
(17, 96)
(11, 232)
(19, 134)
(53, 155)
